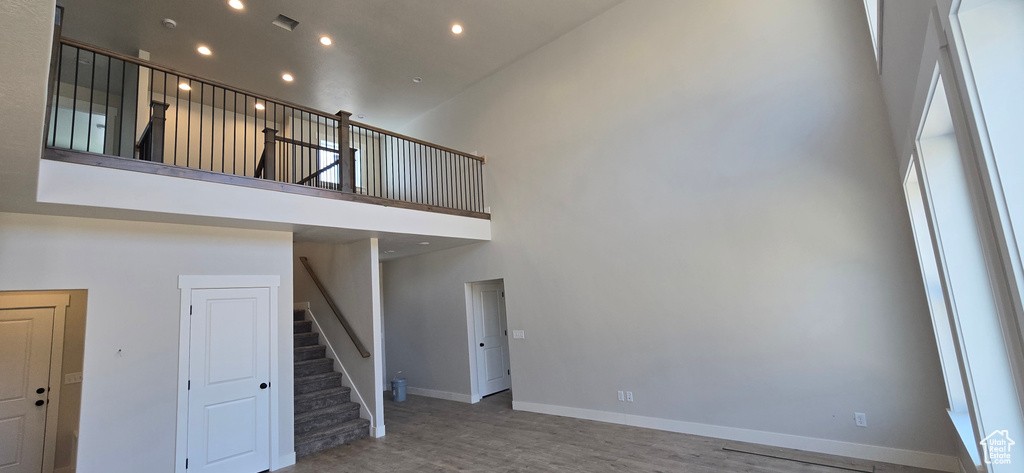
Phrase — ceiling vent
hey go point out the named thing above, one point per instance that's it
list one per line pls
(285, 22)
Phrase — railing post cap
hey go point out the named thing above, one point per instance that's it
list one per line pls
(156, 103)
(344, 114)
(265, 130)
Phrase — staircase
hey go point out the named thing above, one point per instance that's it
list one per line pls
(325, 416)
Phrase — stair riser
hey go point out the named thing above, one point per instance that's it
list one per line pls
(314, 368)
(302, 327)
(321, 444)
(321, 402)
(299, 315)
(310, 353)
(306, 339)
(328, 420)
(320, 384)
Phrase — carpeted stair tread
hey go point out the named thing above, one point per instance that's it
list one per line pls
(306, 339)
(311, 415)
(302, 326)
(322, 439)
(309, 353)
(322, 393)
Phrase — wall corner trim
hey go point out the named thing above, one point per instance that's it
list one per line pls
(927, 460)
(284, 460)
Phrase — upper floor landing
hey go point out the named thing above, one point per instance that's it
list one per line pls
(127, 138)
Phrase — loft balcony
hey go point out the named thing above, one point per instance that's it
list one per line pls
(113, 111)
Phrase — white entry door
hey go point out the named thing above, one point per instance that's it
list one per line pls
(31, 337)
(492, 338)
(24, 370)
(229, 377)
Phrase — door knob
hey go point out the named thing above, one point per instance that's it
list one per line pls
(40, 402)
(263, 385)
(481, 344)
(40, 391)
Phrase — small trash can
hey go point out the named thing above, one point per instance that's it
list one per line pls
(398, 389)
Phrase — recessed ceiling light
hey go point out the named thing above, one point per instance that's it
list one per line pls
(457, 28)
(236, 4)
(169, 23)
(287, 77)
(324, 40)
(360, 116)
(417, 79)
(389, 251)
(260, 106)
(424, 242)
(205, 51)
(184, 86)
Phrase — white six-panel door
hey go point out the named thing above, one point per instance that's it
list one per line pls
(25, 336)
(229, 377)
(492, 341)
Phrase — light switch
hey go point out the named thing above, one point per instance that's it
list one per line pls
(518, 334)
(72, 378)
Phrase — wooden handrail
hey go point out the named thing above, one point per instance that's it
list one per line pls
(337, 312)
(307, 145)
(482, 159)
(185, 75)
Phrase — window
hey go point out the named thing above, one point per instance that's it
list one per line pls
(993, 46)
(332, 175)
(942, 323)
(953, 207)
(874, 11)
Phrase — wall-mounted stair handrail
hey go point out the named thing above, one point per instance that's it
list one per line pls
(337, 312)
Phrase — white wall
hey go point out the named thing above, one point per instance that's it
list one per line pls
(350, 273)
(694, 201)
(130, 270)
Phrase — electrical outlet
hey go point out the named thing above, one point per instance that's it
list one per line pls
(861, 419)
(518, 334)
(622, 396)
(72, 378)
(629, 396)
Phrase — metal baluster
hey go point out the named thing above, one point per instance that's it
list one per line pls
(92, 92)
(56, 98)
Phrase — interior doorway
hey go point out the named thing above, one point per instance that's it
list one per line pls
(41, 339)
(227, 384)
(489, 360)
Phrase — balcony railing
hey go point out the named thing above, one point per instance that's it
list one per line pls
(117, 106)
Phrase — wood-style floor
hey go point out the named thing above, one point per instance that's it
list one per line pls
(425, 434)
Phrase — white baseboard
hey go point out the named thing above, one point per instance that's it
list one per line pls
(459, 397)
(932, 461)
(283, 461)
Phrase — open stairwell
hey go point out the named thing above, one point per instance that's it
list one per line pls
(325, 415)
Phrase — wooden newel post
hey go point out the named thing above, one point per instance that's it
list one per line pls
(348, 177)
(269, 154)
(157, 122)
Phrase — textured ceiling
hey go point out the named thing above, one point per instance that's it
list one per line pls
(379, 45)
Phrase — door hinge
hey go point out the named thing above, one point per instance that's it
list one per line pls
(189, 310)
(186, 463)
(190, 384)
(506, 333)
(502, 293)
(510, 372)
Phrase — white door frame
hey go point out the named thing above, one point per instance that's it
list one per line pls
(186, 284)
(59, 302)
(474, 388)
